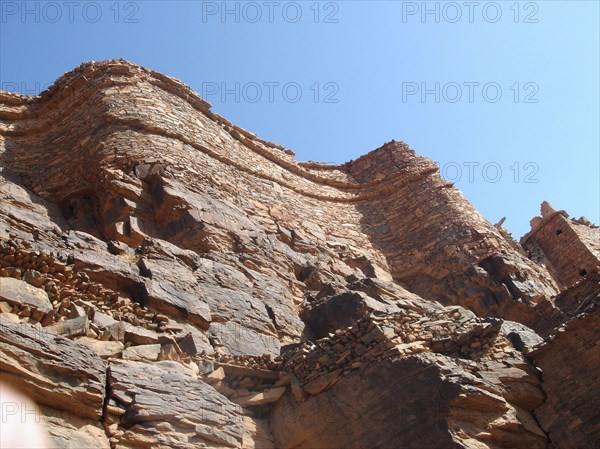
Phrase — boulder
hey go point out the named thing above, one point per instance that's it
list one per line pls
(239, 340)
(522, 337)
(54, 370)
(142, 352)
(342, 310)
(162, 404)
(105, 349)
(14, 291)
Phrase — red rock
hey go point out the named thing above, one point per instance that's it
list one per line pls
(132, 205)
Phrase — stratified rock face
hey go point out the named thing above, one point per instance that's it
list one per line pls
(54, 370)
(67, 380)
(172, 280)
(436, 243)
(569, 361)
(164, 402)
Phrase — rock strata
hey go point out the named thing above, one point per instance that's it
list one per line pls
(168, 279)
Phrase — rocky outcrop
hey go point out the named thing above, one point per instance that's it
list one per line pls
(568, 362)
(429, 401)
(437, 244)
(164, 404)
(67, 381)
(168, 279)
(448, 375)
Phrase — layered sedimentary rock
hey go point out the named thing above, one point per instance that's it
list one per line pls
(568, 361)
(208, 290)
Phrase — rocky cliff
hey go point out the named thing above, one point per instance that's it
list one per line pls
(169, 279)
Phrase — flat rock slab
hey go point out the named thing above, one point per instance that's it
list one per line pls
(19, 292)
(238, 340)
(142, 352)
(264, 397)
(91, 256)
(53, 370)
(166, 406)
(167, 299)
(68, 431)
(71, 328)
(104, 349)
(135, 334)
(11, 317)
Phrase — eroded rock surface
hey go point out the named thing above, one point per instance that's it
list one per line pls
(168, 279)
(568, 361)
(164, 404)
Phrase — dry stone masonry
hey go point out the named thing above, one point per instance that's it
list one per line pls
(170, 280)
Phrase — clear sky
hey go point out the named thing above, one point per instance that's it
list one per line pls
(503, 95)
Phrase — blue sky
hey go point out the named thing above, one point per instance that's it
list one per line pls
(503, 95)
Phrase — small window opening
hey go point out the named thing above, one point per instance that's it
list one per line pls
(558, 231)
(583, 272)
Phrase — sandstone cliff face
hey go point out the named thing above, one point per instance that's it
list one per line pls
(171, 280)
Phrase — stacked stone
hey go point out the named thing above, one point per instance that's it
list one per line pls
(455, 332)
(433, 251)
(70, 292)
(162, 121)
(343, 350)
(166, 124)
(570, 248)
(246, 380)
(263, 362)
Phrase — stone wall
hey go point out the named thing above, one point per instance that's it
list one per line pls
(152, 237)
(437, 244)
(568, 362)
(140, 135)
(570, 247)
